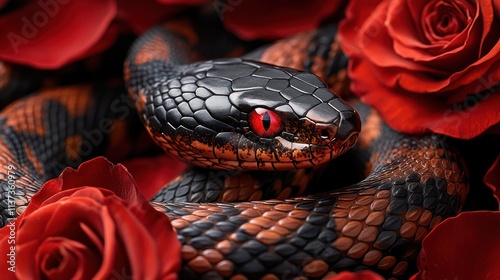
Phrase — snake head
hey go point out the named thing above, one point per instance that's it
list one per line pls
(241, 114)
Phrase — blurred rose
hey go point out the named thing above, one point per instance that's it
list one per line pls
(274, 19)
(51, 33)
(48, 34)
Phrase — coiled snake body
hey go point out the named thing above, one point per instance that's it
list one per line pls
(256, 125)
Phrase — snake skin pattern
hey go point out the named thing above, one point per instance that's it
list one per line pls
(244, 220)
(378, 224)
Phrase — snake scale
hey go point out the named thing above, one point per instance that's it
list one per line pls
(264, 131)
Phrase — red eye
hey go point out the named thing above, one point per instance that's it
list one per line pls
(264, 122)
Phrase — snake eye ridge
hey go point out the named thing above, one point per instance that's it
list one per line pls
(265, 122)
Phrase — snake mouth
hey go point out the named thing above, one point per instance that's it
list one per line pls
(284, 155)
(304, 155)
(278, 155)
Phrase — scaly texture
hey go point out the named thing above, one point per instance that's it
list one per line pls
(413, 182)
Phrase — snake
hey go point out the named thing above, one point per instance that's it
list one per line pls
(257, 131)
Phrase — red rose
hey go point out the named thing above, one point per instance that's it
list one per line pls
(463, 247)
(90, 223)
(276, 19)
(428, 65)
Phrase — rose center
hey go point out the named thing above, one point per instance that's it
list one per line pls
(53, 261)
(443, 20)
(58, 258)
(447, 24)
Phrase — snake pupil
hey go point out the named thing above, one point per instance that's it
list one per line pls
(266, 121)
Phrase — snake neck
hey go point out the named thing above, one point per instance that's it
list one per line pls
(164, 51)
(154, 58)
(203, 185)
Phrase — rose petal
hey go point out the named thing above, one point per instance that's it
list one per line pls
(159, 225)
(492, 179)
(145, 14)
(412, 113)
(49, 36)
(101, 173)
(114, 255)
(408, 43)
(86, 209)
(139, 246)
(270, 20)
(496, 7)
(370, 42)
(97, 172)
(451, 249)
(153, 173)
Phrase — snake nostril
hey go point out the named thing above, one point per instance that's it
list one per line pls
(324, 133)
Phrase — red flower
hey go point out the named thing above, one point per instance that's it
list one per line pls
(492, 179)
(463, 247)
(90, 223)
(361, 275)
(270, 20)
(420, 63)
